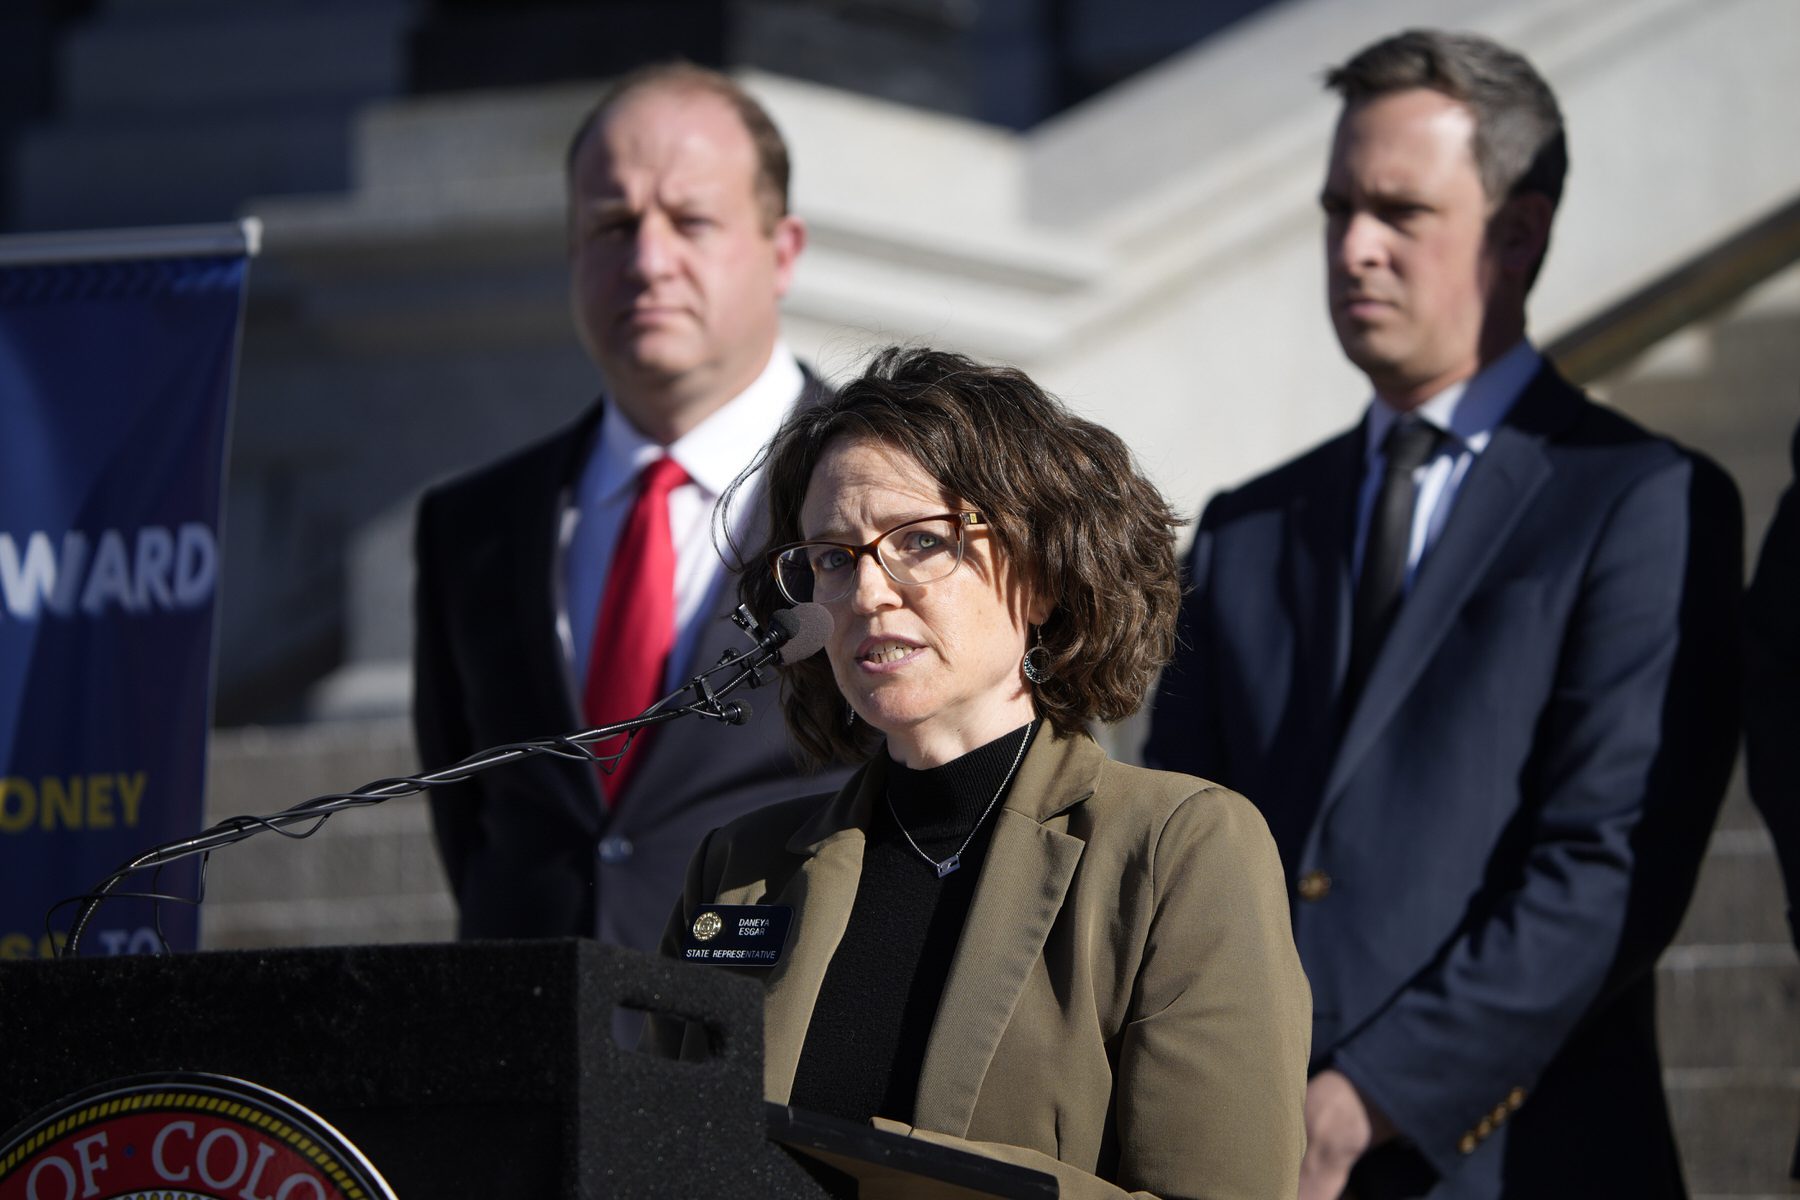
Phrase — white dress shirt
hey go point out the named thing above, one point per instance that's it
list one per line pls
(1467, 413)
(713, 454)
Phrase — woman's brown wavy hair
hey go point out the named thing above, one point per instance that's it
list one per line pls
(1065, 503)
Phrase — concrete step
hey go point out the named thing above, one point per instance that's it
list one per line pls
(303, 497)
(1726, 388)
(180, 110)
(1738, 898)
(1730, 1006)
(369, 875)
(1752, 449)
(1753, 349)
(1738, 812)
(1700, 411)
(1736, 1130)
(162, 170)
(188, 57)
(1728, 1017)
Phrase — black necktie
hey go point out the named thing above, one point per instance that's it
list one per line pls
(1408, 445)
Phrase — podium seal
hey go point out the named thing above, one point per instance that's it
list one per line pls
(182, 1136)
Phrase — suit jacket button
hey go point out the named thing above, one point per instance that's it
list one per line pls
(1468, 1143)
(614, 850)
(1498, 1116)
(1315, 885)
(1484, 1127)
(1515, 1098)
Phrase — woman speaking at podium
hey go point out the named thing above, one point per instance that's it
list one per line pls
(995, 936)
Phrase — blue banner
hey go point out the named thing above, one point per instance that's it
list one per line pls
(115, 385)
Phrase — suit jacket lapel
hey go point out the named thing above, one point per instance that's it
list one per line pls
(1026, 875)
(1499, 485)
(522, 546)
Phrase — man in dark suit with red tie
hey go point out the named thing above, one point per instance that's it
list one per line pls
(1473, 659)
(575, 582)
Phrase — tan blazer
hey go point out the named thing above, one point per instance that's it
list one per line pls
(1125, 1009)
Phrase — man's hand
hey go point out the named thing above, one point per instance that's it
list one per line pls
(1340, 1126)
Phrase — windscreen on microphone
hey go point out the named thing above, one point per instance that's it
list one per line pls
(807, 626)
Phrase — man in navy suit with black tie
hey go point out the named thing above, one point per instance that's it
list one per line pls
(573, 583)
(1473, 659)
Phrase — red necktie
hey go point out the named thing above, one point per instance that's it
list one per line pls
(635, 630)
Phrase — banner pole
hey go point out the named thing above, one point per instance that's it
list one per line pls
(242, 236)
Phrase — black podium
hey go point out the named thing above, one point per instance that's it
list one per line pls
(475, 1069)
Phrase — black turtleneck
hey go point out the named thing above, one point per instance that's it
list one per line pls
(866, 1042)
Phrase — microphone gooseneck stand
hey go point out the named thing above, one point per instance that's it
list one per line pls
(793, 634)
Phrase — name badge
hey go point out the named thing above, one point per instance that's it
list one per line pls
(737, 935)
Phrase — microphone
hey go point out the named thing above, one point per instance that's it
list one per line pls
(799, 632)
(792, 634)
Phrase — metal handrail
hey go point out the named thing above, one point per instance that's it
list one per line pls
(1698, 289)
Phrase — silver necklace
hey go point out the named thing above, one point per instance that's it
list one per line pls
(955, 860)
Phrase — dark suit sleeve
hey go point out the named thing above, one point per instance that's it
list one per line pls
(1772, 688)
(1634, 744)
(1184, 727)
(438, 705)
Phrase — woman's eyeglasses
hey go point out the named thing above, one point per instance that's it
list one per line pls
(923, 550)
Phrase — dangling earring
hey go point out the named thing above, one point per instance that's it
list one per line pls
(1036, 663)
(849, 715)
